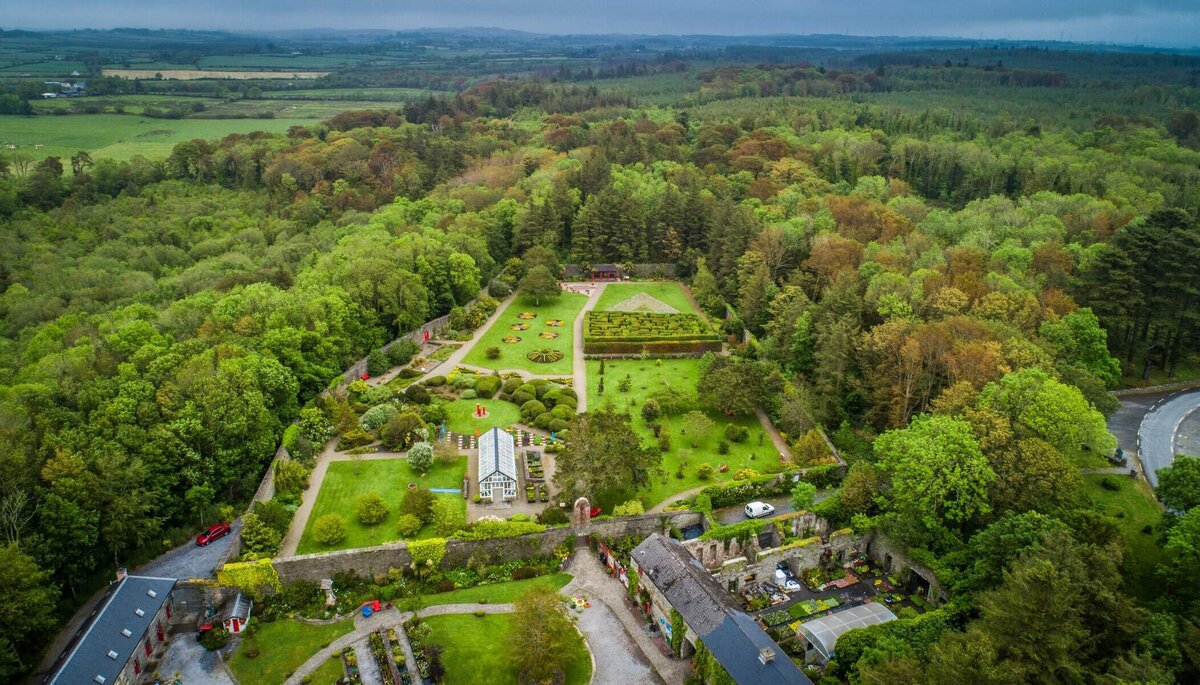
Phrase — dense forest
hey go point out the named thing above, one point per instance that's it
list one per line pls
(952, 294)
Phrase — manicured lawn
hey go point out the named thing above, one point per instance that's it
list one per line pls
(461, 415)
(285, 645)
(496, 593)
(669, 293)
(1133, 507)
(475, 651)
(328, 673)
(647, 376)
(390, 478)
(512, 355)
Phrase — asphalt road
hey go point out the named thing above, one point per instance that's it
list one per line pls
(189, 560)
(1160, 437)
(783, 505)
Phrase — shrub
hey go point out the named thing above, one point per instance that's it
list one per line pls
(532, 409)
(417, 394)
(552, 516)
(419, 503)
(524, 573)
(402, 352)
(625, 384)
(704, 471)
(408, 525)
(372, 509)
(511, 385)
(559, 425)
(745, 474)
(498, 288)
(469, 394)
(629, 508)
(355, 438)
(1110, 483)
(702, 502)
(378, 395)
(377, 416)
(445, 585)
(214, 639)
(650, 411)
(251, 650)
(487, 386)
(420, 457)
(448, 515)
(736, 433)
(722, 447)
(408, 372)
(377, 363)
(544, 420)
(330, 529)
(436, 381)
(492, 352)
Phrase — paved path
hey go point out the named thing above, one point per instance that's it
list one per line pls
(308, 499)
(457, 356)
(579, 365)
(388, 618)
(781, 445)
(1157, 434)
(591, 580)
(662, 506)
(1112, 471)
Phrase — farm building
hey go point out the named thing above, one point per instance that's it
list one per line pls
(125, 638)
(497, 465)
(674, 579)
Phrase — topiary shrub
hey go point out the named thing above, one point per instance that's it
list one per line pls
(436, 381)
(487, 386)
(469, 394)
(371, 509)
(532, 409)
(492, 352)
(329, 530)
(408, 526)
(544, 420)
(704, 471)
(511, 385)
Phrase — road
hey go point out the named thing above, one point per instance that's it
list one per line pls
(188, 560)
(1159, 437)
(782, 504)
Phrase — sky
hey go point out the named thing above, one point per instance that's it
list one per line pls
(1167, 23)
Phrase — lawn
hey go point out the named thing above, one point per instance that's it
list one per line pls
(119, 136)
(475, 651)
(328, 673)
(649, 375)
(285, 646)
(565, 307)
(390, 478)
(461, 415)
(1133, 507)
(669, 293)
(496, 593)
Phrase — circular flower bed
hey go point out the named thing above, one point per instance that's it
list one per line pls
(548, 335)
(519, 326)
(554, 322)
(511, 339)
(544, 356)
(527, 315)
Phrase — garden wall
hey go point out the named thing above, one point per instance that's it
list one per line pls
(377, 560)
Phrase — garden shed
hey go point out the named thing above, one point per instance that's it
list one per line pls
(822, 634)
(497, 465)
(236, 614)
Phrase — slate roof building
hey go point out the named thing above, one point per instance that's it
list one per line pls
(674, 579)
(497, 465)
(125, 637)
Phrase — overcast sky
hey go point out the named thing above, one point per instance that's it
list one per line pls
(1152, 22)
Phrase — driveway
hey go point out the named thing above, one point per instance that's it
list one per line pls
(194, 664)
(782, 504)
(1159, 437)
(189, 560)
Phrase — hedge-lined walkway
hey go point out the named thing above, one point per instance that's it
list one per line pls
(578, 363)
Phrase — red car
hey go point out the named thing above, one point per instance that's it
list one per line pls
(213, 533)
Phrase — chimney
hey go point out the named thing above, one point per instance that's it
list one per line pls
(766, 655)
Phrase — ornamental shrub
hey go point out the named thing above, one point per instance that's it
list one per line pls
(355, 438)
(492, 352)
(330, 529)
(375, 417)
(736, 433)
(469, 394)
(511, 385)
(408, 525)
(419, 503)
(632, 507)
(532, 409)
(378, 395)
(402, 352)
(650, 411)
(420, 457)
(377, 363)
(435, 381)
(704, 471)
(372, 509)
(487, 386)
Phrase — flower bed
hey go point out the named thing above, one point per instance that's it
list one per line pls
(545, 356)
(527, 315)
(774, 618)
(533, 466)
(350, 664)
(383, 658)
(519, 326)
(511, 339)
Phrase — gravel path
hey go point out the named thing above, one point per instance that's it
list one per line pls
(579, 365)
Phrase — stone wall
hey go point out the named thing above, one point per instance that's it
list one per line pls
(894, 560)
(377, 560)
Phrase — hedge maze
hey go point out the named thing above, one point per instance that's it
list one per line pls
(624, 332)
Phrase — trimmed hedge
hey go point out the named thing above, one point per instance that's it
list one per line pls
(681, 348)
(770, 486)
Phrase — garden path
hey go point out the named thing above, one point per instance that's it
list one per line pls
(662, 506)
(780, 444)
(368, 670)
(457, 356)
(579, 366)
(591, 580)
(388, 618)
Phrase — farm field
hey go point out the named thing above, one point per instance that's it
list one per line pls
(475, 653)
(512, 355)
(193, 74)
(120, 137)
(756, 452)
(461, 415)
(390, 478)
(1133, 508)
(196, 107)
(285, 646)
(670, 293)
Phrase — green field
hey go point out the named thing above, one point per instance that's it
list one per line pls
(284, 645)
(118, 136)
(475, 652)
(649, 375)
(496, 593)
(512, 355)
(327, 673)
(1133, 507)
(390, 478)
(461, 415)
(210, 107)
(669, 293)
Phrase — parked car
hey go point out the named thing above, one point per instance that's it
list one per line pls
(756, 510)
(213, 534)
